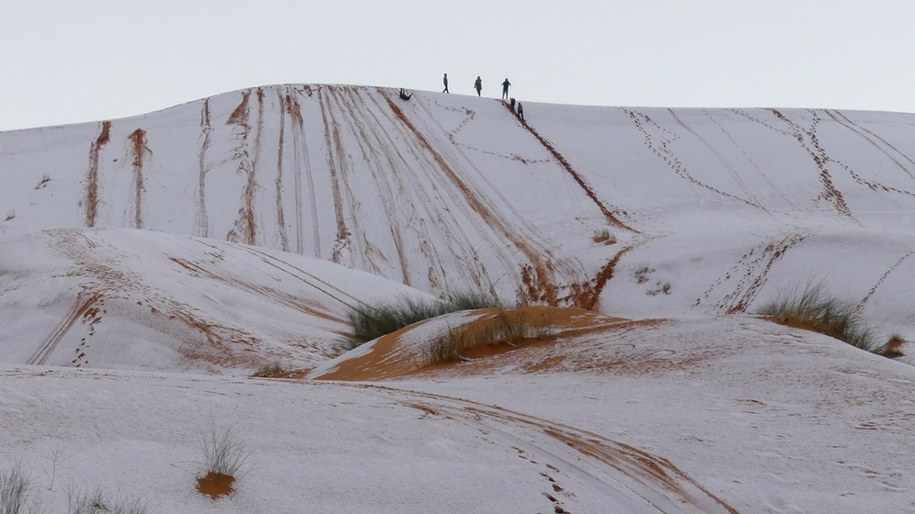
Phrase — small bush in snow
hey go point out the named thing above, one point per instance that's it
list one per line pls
(14, 488)
(272, 370)
(509, 327)
(373, 322)
(224, 452)
(814, 309)
(892, 349)
(83, 502)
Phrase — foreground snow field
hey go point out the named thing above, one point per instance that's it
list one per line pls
(149, 265)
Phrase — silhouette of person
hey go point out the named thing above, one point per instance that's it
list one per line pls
(445, 81)
(404, 96)
(505, 88)
(478, 85)
(520, 111)
(511, 102)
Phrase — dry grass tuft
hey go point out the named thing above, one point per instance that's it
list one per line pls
(511, 327)
(373, 322)
(892, 349)
(816, 310)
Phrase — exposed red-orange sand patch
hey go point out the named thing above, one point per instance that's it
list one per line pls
(387, 360)
(215, 485)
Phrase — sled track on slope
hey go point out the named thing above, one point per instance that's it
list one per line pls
(657, 481)
(201, 223)
(545, 289)
(245, 228)
(92, 186)
(336, 155)
(610, 216)
(302, 165)
(81, 307)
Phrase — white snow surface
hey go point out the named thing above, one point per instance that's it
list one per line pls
(169, 255)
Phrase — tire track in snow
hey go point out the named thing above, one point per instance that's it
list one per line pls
(860, 305)
(92, 185)
(746, 156)
(526, 275)
(873, 186)
(724, 162)
(577, 177)
(301, 162)
(459, 246)
(544, 289)
(313, 281)
(657, 481)
(372, 144)
(81, 306)
(841, 118)
(335, 153)
(568, 267)
(277, 296)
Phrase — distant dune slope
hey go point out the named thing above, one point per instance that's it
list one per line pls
(149, 300)
(450, 192)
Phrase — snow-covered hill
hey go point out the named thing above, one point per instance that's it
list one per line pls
(138, 299)
(235, 231)
(448, 192)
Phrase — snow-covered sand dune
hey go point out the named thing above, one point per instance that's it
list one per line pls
(234, 231)
(448, 192)
(140, 299)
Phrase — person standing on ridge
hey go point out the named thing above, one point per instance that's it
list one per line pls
(520, 111)
(505, 88)
(478, 85)
(445, 81)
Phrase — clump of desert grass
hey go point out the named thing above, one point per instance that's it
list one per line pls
(815, 309)
(892, 349)
(371, 322)
(224, 454)
(510, 327)
(14, 489)
(99, 502)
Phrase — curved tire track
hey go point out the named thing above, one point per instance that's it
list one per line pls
(657, 481)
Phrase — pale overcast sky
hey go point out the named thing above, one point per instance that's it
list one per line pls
(68, 61)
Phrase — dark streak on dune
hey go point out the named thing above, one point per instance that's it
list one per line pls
(301, 164)
(589, 302)
(139, 149)
(201, 224)
(280, 215)
(335, 155)
(577, 177)
(92, 175)
(538, 281)
(245, 227)
(82, 305)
